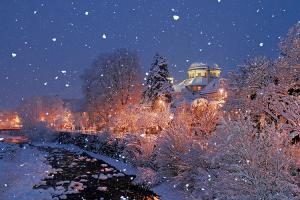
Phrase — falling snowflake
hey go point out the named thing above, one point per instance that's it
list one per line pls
(35, 12)
(104, 36)
(13, 55)
(86, 13)
(175, 17)
(261, 44)
(219, 1)
(54, 39)
(46, 83)
(56, 77)
(67, 85)
(63, 71)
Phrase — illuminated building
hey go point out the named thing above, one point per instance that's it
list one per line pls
(200, 75)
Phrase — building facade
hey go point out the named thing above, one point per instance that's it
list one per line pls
(200, 76)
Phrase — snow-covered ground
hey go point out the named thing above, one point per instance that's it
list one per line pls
(20, 169)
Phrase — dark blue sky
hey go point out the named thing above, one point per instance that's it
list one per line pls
(45, 45)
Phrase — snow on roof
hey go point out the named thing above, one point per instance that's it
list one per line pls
(209, 88)
(213, 86)
(198, 65)
(189, 82)
(215, 66)
(198, 81)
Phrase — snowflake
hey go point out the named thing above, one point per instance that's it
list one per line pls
(86, 13)
(104, 36)
(35, 12)
(63, 71)
(46, 83)
(175, 17)
(67, 85)
(219, 1)
(13, 55)
(54, 39)
(261, 44)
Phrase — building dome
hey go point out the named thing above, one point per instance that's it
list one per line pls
(215, 67)
(196, 65)
(198, 70)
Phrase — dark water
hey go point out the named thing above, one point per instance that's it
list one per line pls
(83, 169)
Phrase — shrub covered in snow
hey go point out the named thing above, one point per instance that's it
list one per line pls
(181, 157)
(252, 163)
(205, 116)
(138, 149)
(146, 177)
(140, 119)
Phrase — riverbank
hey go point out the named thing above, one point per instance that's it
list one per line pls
(47, 171)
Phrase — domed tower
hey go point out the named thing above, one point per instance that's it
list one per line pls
(214, 71)
(198, 70)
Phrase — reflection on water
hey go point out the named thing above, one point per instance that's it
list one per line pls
(11, 137)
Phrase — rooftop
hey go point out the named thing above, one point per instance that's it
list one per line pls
(200, 65)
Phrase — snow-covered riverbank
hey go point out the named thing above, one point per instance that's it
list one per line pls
(26, 171)
(23, 166)
(166, 191)
(20, 169)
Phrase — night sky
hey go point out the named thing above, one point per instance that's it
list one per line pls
(46, 45)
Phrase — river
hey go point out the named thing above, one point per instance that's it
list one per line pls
(62, 174)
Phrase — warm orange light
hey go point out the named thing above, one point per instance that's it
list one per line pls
(221, 90)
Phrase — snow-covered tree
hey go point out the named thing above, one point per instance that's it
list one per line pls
(270, 90)
(112, 82)
(290, 48)
(244, 84)
(252, 163)
(158, 87)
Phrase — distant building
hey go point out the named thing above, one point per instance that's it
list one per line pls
(203, 79)
(199, 76)
(10, 120)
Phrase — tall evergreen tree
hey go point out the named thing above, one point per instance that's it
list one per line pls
(157, 83)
